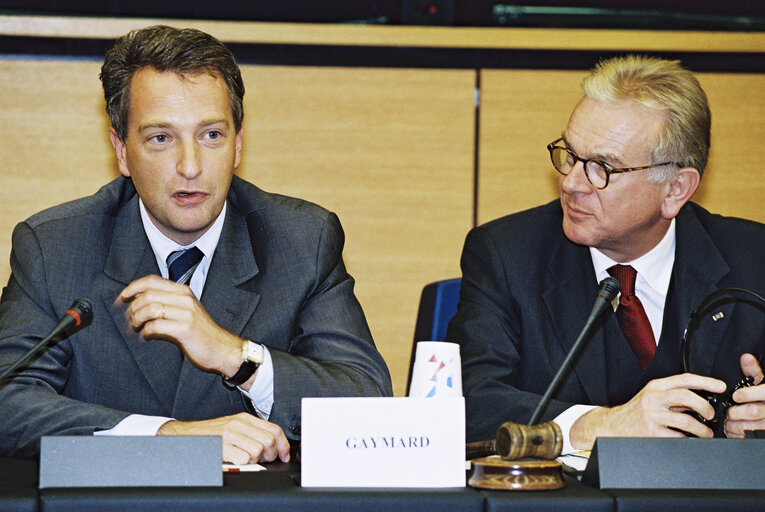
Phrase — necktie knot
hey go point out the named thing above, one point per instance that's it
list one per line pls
(182, 264)
(626, 275)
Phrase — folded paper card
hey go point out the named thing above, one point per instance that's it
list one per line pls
(383, 442)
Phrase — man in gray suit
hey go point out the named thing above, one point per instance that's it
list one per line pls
(629, 160)
(268, 314)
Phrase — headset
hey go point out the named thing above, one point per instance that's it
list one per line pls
(720, 401)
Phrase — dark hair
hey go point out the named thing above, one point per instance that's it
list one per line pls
(182, 51)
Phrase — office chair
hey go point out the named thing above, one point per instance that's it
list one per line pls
(438, 304)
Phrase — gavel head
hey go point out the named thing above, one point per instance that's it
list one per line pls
(543, 441)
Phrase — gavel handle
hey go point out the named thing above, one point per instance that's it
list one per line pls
(480, 449)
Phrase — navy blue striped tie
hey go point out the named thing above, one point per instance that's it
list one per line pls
(182, 264)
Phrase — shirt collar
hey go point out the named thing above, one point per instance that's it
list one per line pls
(163, 246)
(654, 268)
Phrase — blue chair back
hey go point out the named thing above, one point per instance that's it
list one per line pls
(438, 304)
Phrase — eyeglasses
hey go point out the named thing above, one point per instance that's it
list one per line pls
(597, 171)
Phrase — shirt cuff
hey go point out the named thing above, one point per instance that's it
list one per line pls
(135, 425)
(261, 394)
(566, 420)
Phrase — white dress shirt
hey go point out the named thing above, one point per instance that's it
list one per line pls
(262, 391)
(654, 271)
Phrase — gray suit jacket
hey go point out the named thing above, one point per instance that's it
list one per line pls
(277, 277)
(527, 291)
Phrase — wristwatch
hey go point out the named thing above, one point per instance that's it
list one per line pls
(252, 356)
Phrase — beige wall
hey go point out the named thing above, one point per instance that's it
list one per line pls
(391, 151)
(522, 111)
(56, 145)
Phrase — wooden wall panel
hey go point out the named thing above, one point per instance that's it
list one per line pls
(360, 35)
(390, 151)
(56, 143)
(522, 111)
(734, 181)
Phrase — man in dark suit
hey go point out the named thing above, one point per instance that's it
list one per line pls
(630, 159)
(268, 314)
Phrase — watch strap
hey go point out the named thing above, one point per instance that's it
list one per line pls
(242, 374)
(247, 369)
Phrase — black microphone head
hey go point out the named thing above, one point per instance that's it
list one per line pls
(82, 311)
(608, 289)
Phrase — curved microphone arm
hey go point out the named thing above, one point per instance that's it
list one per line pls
(698, 313)
(608, 289)
(79, 315)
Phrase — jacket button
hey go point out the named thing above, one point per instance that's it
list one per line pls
(295, 429)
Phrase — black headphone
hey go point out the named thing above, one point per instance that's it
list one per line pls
(720, 401)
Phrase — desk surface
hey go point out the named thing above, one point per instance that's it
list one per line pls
(278, 490)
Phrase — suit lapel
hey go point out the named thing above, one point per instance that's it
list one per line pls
(228, 296)
(570, 278)
(699, 269)
(131, 257)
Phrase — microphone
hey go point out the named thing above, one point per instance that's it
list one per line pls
(608, 289)
(79, 315)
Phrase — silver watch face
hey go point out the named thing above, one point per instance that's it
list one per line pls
(255, 352)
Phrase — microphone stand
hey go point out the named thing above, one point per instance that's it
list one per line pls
(79, 315)
(27, 356)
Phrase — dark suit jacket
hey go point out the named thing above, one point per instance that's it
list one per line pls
(527, 291)
(277, 277)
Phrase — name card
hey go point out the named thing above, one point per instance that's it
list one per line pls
(383, 442)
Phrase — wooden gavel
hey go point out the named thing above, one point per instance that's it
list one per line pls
(526, 458)
(514, 441)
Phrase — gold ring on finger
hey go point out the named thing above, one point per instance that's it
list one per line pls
(163, 311)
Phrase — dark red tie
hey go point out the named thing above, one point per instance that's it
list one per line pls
(631, 316)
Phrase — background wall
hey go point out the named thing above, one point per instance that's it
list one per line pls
(389, 150)
(391, 139)
(524, 110)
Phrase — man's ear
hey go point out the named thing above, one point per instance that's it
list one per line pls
(238, 157)
(680, 189)
(119, 150)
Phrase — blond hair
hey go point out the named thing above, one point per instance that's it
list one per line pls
(665, 86)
